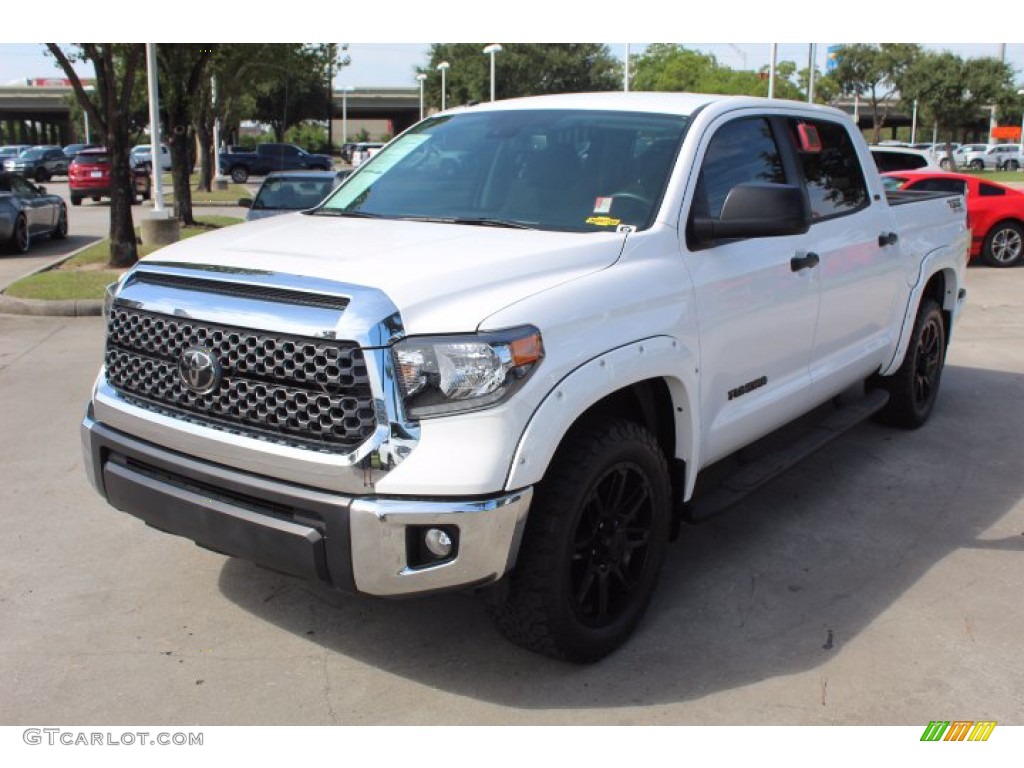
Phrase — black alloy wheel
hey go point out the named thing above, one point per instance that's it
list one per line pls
(594, 541)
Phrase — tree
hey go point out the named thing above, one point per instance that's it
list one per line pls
(671, 67)
(290, 86)
(117, 67)
(521, 69)
(874, 71)
(184, 82)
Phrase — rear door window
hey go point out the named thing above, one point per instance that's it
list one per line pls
(832, 171)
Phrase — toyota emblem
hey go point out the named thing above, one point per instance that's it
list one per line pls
(200, 370)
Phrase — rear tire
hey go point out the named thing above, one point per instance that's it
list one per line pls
(914, 388)
(76, 200)
(593, 546)
(42, 175)
(977, 165)
(1012, 165)
(20, 237)
(239, 174)
(1004, 245)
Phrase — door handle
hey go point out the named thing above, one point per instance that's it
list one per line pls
(887, 238)
(806, 261)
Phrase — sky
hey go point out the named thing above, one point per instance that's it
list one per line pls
(389, 38)
(393, 64)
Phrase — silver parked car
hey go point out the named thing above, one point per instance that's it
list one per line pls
(27, 211)
(290, 191)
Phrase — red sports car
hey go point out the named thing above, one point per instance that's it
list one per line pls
(995, 211)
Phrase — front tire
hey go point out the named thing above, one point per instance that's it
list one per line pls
(593, 546)
(914, 388)
(42, 175)
(61, 231)
(1004, 245)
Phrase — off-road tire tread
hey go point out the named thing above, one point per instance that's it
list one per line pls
(525, 616)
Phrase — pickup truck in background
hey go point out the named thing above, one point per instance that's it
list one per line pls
(500, 356)
(271, 157)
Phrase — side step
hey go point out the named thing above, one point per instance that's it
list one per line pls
(750, 477)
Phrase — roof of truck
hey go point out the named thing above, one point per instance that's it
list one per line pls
(641, 101)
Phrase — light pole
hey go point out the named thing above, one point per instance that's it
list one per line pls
(1020, 154)
(492, 49)
(344, 113)
(771, 72)
(422, 78)
(443, 67)
(156, 159)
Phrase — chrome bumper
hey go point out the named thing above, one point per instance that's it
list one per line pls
(362, 544)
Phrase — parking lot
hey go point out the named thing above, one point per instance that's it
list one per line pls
(877, 583)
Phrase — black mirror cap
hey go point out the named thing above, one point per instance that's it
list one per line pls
(245, 202)
(756, 209)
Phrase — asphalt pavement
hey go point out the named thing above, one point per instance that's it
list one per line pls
(878, 582)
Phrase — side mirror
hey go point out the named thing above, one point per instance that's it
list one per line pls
(41, 189)
(245, 202)
(756, 209)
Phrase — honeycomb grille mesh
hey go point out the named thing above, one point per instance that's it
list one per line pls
(301, 392)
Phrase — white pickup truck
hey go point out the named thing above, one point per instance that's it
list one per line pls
(501, 354)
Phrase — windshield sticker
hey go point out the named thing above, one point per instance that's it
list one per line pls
(603, 205)
(604, 221)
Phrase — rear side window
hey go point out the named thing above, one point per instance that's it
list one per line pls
(988, 190)
(898, 161)
(743, 150)
(835, 182)
(956, 186)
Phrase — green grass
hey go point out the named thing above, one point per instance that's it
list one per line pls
(84, 276)
(58, 284)
(229, 196)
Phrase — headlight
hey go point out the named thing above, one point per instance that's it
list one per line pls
(440, 375)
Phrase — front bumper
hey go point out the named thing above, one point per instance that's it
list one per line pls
(361, 544)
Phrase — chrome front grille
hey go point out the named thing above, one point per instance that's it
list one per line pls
(291, 390)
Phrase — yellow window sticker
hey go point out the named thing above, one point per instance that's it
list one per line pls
(604, 221)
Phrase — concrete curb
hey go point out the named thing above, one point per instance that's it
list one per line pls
(41, 307)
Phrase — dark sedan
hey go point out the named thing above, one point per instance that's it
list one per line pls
(27, 212)
(39, 163)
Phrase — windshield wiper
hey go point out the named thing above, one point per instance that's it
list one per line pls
(340, 212)
(483, 222)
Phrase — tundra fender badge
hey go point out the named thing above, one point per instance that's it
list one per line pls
(200, 370)
(750, 386)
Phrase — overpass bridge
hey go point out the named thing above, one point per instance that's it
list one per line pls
(32, 114)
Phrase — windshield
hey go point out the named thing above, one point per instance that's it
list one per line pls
(31, 154)
(292, 194)
(569, 170)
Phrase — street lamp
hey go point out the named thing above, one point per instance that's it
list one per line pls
(422, 78)
(443, 67)
(492, 49)
(1020, 154)
(344, 112)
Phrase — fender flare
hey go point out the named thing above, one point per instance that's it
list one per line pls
(659, 357)
(946, 261)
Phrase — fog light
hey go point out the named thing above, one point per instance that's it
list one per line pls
(438, 542)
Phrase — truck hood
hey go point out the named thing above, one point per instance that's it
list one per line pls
(444, 278)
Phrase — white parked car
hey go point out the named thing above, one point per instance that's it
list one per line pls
(140, 155)
(892, 158)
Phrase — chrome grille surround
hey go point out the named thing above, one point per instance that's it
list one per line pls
(295, 312)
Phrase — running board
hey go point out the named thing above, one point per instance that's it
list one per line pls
(750, 477)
